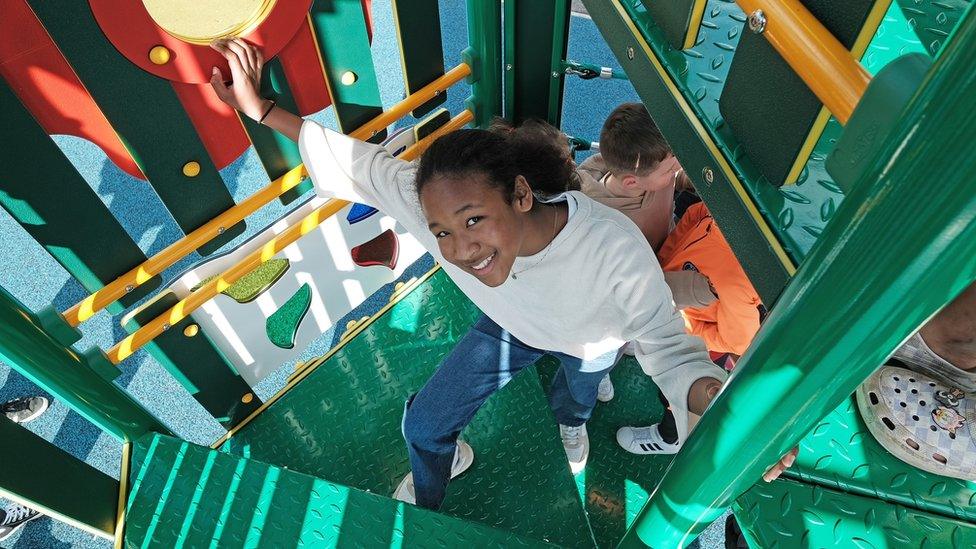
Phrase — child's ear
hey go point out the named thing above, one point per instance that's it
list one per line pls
(523, 195)
(630, 182)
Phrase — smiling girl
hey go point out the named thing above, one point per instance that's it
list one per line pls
(520, 260)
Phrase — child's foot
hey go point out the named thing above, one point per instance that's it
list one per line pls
(604, 393)
(24, 409)
(645, 440)
(463, 458)
(917, 355)
(577, 446)
(15, 517)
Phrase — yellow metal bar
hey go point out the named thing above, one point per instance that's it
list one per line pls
(123, 496)
(818, 58)
(187, 305)
(174, 252)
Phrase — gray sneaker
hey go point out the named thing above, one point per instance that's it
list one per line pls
(24, 409)
(918, 356)
(15, 517)
(577, 446)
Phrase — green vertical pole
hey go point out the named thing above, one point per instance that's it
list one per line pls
(536, 40)
(885, 264)
(511, 43)
(485, 57)
(66, 374)
(55, 482)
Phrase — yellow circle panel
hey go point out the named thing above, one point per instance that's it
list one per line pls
(201, 21)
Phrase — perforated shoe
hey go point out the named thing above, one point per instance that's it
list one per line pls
(463, 458)
(24, 409)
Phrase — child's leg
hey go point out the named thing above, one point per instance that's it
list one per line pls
(574, 389)
(483, 361)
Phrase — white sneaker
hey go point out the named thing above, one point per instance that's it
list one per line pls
(645, 440)
(577, 446)
(463, 458)
(604, 393)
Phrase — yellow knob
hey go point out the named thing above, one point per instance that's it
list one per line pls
(191, 169)
(159, 55)
(191, 330)
(247, 398)
(349, 78)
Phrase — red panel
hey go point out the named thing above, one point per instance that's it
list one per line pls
(302, 64)
(368, 14)
(133, 32)
(218, 124)
(46, 84)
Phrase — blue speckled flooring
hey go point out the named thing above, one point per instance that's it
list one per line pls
(31, 275)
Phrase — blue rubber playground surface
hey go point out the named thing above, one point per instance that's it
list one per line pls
(34, 278)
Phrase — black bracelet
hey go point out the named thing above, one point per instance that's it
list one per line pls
(267, 112)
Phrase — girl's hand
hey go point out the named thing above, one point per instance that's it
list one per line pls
(246, 62)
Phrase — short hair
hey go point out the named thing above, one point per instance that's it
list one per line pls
(630, 141)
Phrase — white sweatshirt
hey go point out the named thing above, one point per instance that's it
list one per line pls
(596, 286)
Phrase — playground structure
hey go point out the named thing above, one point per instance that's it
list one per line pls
(811, 165)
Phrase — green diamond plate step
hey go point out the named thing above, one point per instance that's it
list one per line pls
(184, 495)
(342, 423)
(841, 453)
(787, 514)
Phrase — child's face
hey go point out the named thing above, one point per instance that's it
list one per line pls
(476, 228)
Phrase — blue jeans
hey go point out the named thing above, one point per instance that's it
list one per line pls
(483, 361)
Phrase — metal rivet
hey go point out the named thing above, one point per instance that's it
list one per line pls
(159, 55)
(437, 92)
(191, 330)
(630, 53)
(349, 78)
(191, 169)
(129, 288)
(508, 67)
(165, 326)
(247, 398)
(708, 175)
(757, 21)
(555, 74)
(220, 230)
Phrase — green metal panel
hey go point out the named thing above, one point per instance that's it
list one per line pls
(766, 104)
(184, 495)
(342, 423)
(54, 481)
(42, 191)
(484, 55)
(933, 20)
(679, 20)
(277, 152)
(418, 25)
(197, 364)
(147, 115)
(683, 99)
(848, 302)
(541, 36)
(340, 30)
(790, 514)
(841, 453)
(27, 348)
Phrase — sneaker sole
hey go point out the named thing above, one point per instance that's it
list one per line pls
(466, 454)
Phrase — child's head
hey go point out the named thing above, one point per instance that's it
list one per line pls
(634, 150)
(477, 201)
(527, 139)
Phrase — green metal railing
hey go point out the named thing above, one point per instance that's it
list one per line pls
(888, 261)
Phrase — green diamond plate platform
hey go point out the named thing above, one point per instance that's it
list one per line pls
(185, 495)
(342, 423)
(787, 514)
(841, 453)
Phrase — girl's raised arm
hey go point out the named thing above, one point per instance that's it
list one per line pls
(244, 91)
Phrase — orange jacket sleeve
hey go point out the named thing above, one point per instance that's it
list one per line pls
(737, 321)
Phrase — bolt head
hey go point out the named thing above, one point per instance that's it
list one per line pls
(708, 175)
(630, 53)
(129, 288)
(757, 22)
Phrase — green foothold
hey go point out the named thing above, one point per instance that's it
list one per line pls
(283, 324)
(250, 286)
(54, 323)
